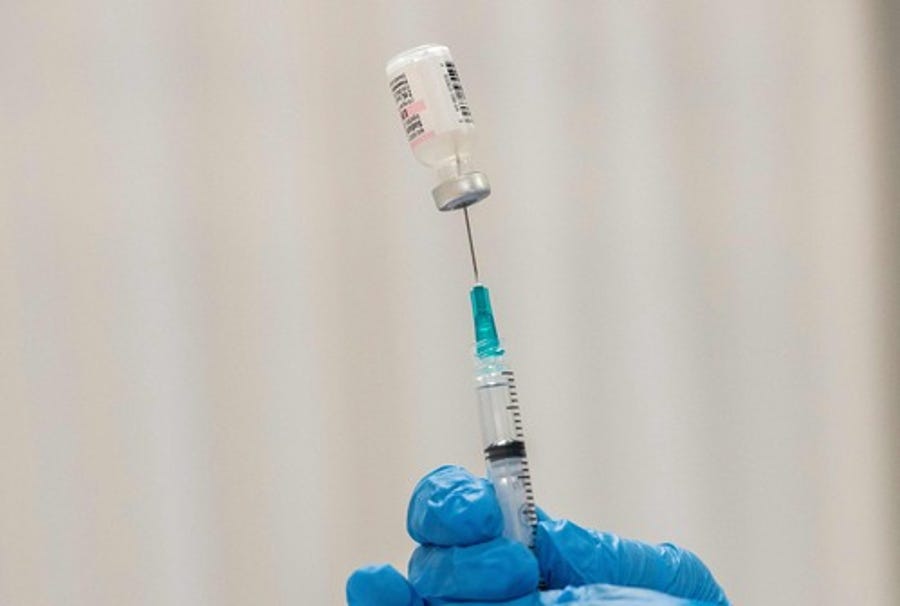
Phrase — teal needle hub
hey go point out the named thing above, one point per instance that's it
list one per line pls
(487, 343)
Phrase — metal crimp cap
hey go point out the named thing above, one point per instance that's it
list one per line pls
(461, 191)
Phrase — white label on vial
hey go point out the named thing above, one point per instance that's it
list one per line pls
(430, 103)
(410, 110)
(454, 87)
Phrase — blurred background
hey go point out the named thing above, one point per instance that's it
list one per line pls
(235, 330)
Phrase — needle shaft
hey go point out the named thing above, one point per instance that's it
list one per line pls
(471, 244)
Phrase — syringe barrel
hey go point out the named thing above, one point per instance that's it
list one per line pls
(504, 448)
(512, 493)
(500, 415)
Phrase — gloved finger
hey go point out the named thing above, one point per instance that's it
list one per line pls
(450, 506)
(571, 555)
(604, 595)
(380, 586)
(498, 570)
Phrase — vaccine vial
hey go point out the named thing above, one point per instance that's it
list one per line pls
(437, 120)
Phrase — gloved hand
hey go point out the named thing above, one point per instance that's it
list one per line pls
(456, 519)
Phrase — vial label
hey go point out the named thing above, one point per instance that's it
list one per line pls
(430, 100)
(410, 110)
(454, 86)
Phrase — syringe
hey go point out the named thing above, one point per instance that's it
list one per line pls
(502, 433)
(501, 425)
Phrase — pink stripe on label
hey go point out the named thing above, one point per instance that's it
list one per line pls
(415, 107)
(421, 139)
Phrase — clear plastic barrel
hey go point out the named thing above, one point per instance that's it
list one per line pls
(504, 448)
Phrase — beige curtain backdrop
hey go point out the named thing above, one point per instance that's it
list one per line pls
(234, 330)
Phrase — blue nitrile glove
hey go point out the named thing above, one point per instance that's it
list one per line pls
(462, 558)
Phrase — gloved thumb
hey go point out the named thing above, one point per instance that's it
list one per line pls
(571, 555)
